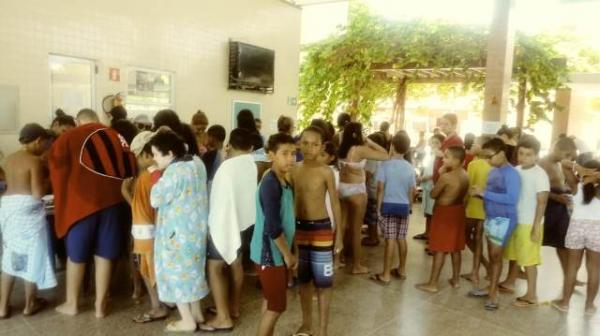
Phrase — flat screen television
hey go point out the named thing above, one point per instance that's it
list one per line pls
(251, 67)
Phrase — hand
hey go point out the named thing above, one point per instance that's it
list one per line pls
(564, 199)
(291, 261)
(536, 234)
(339, 246)
(476, 191)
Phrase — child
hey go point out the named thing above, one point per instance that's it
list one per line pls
(328, 157)
(25, 243)
(524, 246)
(583, 236)
(396, 186)
(371, 169)
(500, 199)
(180, 240)
(213, 157)
(274, 231)
(477, 171)
(232, 210)
(136, 192)
(313, 181)
(447, 233)
(435, 144)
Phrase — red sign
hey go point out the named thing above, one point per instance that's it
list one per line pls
(114, 74)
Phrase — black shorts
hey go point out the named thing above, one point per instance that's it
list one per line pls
(213, 254)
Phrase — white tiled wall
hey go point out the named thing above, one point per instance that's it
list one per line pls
(188, 37)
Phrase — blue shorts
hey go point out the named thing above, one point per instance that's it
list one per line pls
(499, 230)
(100, 234)
(315, 252)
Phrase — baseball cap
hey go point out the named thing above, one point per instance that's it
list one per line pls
(33, 131)
(140, 141)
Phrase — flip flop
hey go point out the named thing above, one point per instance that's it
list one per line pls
(478, 293)
(147, 318)
(420, 236)
(504, 289)
(40, 304)
(211, 329)
(395, 272)
(523, 303)
(377, 279)
(176, 331)
(559, 307)
(491, 306)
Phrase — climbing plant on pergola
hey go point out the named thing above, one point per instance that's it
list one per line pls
(372, 59)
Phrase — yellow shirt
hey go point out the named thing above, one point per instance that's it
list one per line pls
(478, 171)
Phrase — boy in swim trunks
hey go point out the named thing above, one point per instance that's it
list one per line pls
(524, 246)
(312, 181)
(500, 199)
(447, 233)
(396, 187)
(563, 184)
(270, 248)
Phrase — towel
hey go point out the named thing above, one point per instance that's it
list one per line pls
(232, 204)
(25, 244)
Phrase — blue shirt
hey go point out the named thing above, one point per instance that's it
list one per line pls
(502, 193)
(398, 177)
(274, 216)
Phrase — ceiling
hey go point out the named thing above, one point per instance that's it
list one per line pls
(302, 3)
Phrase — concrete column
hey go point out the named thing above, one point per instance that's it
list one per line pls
(560, 121)
(499, 66)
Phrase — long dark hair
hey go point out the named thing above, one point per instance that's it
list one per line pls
(589, 189)
(245, 120)
(352, 136)
(171, 119)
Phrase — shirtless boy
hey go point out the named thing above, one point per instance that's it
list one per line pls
(563, 184)
(447, 233)
(312, 181)
(23, 223)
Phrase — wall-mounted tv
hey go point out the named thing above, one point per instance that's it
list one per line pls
(251, 67)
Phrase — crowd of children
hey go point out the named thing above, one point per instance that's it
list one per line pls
(195, 205)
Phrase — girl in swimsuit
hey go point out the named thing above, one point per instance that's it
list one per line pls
(354, 152)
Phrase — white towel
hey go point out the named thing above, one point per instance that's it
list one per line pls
(25, 233)
(232, 204)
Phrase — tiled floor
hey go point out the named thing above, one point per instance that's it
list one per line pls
(360, 307)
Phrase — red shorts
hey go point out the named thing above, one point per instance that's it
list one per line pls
(447, 232)
(273, 280)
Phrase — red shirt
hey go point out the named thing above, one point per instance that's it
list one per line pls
(87, 167)
(452, 140)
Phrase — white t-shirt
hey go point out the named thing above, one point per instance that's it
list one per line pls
(585, 211)
(533, 181)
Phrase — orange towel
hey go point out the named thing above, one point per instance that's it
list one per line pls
(447, 233)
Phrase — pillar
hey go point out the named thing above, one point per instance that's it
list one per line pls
(560, 120)
(499, 65)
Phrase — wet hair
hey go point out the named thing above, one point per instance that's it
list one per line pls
(440, 137)
(87, 113)
(401, 142)
(285, 124)
(565, 144)
(589, 189)
(451, 117)
(245, 120)
(217, 132)
(278, 139)
(330, 149)
(469, 140)
(496, 145)
(170, 119)
(327, 129)
(457, 152)
(530, 142)
(343, 119)
(352, 136)
(117, 113)
(384, 127)
(504, 130)
(126, 129)
(314, 129)
(165, 141)
(199, 118)
(63, 119)
(240, 139)
(378, 138)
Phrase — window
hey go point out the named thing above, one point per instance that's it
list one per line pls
(149, 91)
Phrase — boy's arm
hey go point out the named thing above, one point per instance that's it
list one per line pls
(337, 210)
(37, 179)
(380, 188)
(513, 189)
(289, 259)
(127, 189)
(540, 209)
(439, 186)
(570, 177)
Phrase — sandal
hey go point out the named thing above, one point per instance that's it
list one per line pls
(524, 303)
(491, 306)
(478, 293)
(210, 329)
(147, 318)
(378, 280)
(171, 328)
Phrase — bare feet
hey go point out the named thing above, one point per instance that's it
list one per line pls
(359, 269)
(38, 305)
(470, 277)
(558, 304)
(68, 308)
(216, 325)
(427, 288)
(304, 330)
(181, 326)
(101, 309)
(454, 283)
(505, 287)
(590, 309)
(400, 275)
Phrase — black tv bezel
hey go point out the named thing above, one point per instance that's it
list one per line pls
(237, 84)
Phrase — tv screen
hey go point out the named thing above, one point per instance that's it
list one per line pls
(251, 67)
